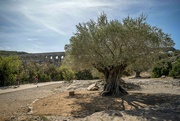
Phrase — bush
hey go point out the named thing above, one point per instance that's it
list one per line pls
(175, 72)
(67, 73)
(10, 67)
(30, 72)
(84, 75)
(54, 73)
(156, 72)
(162, 68)
(24, 79)
(43, 77)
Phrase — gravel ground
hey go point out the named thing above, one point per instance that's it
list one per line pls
(160, 99)
(15, 103)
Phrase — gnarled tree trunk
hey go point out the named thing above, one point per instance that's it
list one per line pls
(113, 88)
(113, 77)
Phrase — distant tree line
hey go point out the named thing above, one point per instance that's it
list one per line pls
(12, 68)
(8, 53)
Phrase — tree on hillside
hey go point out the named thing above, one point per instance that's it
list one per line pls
(143, 63)
(112, 46)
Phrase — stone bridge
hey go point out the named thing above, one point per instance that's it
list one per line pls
(53, 57)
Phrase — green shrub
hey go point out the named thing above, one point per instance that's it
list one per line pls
(175, 71)
(161, 68)
(10, 67)
(84, 75)
(54, 73)
(57, 77)
(43, 77)
(67, 73)
(156, 72)
(24, 79)
(30, 71)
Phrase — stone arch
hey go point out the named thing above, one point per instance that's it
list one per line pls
(62, 57)
(54, 57)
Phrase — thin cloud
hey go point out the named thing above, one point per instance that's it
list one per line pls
(32, 39)
(62, 16)
(52, 22)
(52, 14)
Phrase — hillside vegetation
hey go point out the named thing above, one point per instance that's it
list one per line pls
(8, 53)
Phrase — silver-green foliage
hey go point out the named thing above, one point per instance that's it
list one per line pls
(105, 43)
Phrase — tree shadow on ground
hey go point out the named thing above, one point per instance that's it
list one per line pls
(142, 77)
(149, 106)
(130, 86)
(157, 106)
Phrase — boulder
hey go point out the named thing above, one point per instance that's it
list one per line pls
(93, 87)
(71, 87)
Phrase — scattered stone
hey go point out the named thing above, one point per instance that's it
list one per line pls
(22, 118)
(93, 87)
(71, 87)
(16, 86)
(163, 76)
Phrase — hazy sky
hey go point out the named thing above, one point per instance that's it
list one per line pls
(47, 25)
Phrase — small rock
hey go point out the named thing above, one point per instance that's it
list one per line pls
(22, 118)
(93, 87)
(163, 76)
(71, 87)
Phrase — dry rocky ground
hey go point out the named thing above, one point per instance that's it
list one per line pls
(148, 99)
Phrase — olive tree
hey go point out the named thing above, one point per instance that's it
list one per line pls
(143, 63)
(111, 46)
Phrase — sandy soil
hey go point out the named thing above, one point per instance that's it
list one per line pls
(148, 99)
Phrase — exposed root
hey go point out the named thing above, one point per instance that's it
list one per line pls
(113, 89)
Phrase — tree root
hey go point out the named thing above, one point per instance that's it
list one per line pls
(113, 89)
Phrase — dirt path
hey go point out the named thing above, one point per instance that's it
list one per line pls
(14, 102)
(25, 86)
